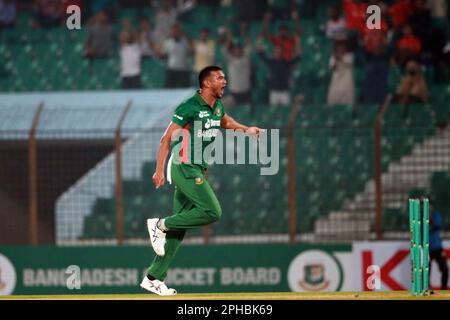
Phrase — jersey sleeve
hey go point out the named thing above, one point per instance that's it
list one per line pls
(182, 115)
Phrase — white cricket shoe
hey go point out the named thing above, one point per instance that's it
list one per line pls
(157, 237)
(157, 287)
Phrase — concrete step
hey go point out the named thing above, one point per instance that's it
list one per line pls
(356, 218)
(350, 215)
(324, 227)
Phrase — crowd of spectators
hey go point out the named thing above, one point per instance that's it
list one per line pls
(163, 38)
(411, 39)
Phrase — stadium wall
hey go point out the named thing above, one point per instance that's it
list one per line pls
(209, 268)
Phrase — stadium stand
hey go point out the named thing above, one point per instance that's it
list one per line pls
(333, 145)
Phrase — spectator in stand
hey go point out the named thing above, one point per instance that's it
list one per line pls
(177, 49)
(342, 86)
(443, 70)
(130, 60)
(67, 3)
(281, 9)
(377, 60)
(420, 22)
(399, 12)
(126, 27)
(412, 88)
(100, 38)
(438, 9)
(109, 6)
(355, 14)
(238, 59)
(204, 50)
(289, 44)
(146, 39)
(8, 13)
(48, 13)
(408, 47)
(280, 71)
(355, 18)
(167, 16)
(213, 3)
(79, 4)
(186, 7)
(250, 10)
(375, 37)
(335, 29)
(438, 42)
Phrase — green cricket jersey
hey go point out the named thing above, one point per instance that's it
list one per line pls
(203, 124)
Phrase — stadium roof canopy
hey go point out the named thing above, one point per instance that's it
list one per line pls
(84, 115)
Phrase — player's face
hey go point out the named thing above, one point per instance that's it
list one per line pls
(217, 83)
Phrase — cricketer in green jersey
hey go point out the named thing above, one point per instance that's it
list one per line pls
(195, 203)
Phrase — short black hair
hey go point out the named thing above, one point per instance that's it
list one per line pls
(205, 72)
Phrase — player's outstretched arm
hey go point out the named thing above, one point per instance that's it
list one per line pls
(228, 122)
(163, 151)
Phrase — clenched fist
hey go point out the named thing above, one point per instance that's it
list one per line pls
(158, 179)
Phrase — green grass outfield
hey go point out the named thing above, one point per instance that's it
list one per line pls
(386, 295)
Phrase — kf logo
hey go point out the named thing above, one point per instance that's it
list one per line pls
(374, 19)
(74, 20)
(74, 279)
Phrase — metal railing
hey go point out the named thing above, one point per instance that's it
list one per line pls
(336, 183)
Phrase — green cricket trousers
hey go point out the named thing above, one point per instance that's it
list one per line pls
(194, 205)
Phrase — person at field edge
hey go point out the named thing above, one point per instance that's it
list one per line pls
(195, 203)
(436, 250)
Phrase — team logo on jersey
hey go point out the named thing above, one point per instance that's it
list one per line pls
(218, 112)
(203, 114)
(198, 180)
